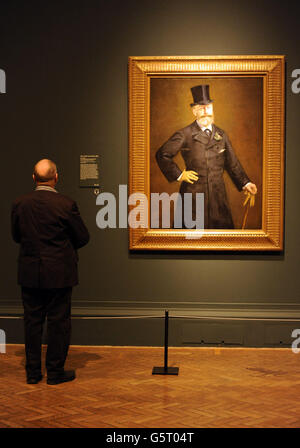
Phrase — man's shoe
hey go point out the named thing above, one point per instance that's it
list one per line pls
(68, 375)
(34, 379)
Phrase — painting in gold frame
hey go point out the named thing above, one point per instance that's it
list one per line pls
(248, 100)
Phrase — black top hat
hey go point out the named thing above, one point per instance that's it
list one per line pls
(201, 95)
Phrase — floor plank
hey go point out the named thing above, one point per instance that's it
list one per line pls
(115, 388)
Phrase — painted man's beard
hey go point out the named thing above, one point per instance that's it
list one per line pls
(206, 120)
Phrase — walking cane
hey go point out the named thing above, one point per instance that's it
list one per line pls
(249, 202)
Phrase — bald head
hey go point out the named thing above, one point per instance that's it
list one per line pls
(45, 172)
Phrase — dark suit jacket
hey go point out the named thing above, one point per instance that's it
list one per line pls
(209, 157)
(49, 229)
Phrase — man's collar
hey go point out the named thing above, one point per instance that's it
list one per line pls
(204, 127)
(46, 188)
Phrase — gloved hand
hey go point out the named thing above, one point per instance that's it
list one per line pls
(250, 187)
(189, 176)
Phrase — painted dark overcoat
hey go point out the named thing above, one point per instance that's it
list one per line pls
(209, 157)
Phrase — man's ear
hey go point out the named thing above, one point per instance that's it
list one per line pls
(33, 177)
(56, 177)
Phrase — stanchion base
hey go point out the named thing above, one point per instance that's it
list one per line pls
(165, 371)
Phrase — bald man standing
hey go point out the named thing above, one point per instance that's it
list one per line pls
(49, 229)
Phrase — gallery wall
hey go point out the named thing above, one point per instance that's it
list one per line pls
(66, 95)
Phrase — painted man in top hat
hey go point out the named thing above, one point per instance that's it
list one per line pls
(207, 152)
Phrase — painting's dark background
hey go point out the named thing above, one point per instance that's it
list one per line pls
(238, 109)
(66, 67)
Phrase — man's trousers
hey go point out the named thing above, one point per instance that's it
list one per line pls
(55, 305)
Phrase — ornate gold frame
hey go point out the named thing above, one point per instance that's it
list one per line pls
(271, 68)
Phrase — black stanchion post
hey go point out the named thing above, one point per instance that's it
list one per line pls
(166, 370)
(166, 338)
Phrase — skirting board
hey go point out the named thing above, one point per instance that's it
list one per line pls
(190, 324)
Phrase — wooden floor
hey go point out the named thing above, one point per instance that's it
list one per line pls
(115, 388)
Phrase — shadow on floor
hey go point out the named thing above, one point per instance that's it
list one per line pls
(76, 360)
